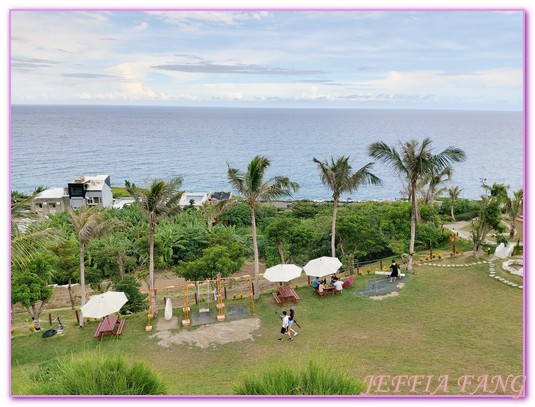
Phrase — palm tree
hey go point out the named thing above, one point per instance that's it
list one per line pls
(28, 236)
(252, 187)
(433, 181)
(454, 193)
(338, 177)
(514, 207)
(88, 222)
(414, 161)
(157, 199)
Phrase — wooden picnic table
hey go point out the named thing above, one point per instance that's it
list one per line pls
(287, 294)
(330, 289)
(110, 325)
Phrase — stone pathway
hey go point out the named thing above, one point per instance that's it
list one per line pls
(492, 269)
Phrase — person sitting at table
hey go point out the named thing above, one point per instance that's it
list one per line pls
(315, 282)
(334, 279)
(321, 287)
(338, 285)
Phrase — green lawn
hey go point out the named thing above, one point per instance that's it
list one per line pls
(450, 322)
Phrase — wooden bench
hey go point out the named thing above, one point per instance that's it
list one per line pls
(295, 295)
(276, 297)
(321, 293)
(98, 332)
(120, 327)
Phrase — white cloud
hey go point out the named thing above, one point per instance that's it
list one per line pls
(219, 17)
(142, 26)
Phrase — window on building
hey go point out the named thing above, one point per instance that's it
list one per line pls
(52, 204)
(40, 205)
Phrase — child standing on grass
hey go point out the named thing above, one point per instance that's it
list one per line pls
(284, 328)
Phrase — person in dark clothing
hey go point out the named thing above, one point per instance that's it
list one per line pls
(395, 271)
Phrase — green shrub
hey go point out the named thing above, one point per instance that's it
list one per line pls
(95, 375)
(317, 379)
(137, 301)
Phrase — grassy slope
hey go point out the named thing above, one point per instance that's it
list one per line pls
(445, 321)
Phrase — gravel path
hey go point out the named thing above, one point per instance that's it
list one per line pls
(210, 335)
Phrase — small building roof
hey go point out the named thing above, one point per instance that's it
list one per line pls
(120, 203)
(198, 198)
(93, 182)
(51, 193)
(220, 195)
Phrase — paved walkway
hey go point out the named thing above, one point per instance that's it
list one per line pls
(456, 228)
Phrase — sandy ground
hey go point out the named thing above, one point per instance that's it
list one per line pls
(206, 335)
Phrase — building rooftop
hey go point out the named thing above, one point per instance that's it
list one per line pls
(93, 182)
(198, 198)
(51, 193)
(220, 195)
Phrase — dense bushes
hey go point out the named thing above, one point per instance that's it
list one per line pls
(95, 375)
(317, 379)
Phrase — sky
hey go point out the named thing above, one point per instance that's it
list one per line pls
(435, 59)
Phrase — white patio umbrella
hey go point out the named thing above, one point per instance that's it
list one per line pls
(282, 273)
(104, 304)
(322, 266)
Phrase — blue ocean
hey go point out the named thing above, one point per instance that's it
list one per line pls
(51, 145)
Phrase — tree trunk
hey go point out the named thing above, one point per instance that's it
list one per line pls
(281, 251)
(452, 211)
(82, 276)
(333, 229)
(152, 296)
(35, 313)
(71, 297)
(414, 216)
(256, 256)
(120, 263)
(512, 232)
(476, 250)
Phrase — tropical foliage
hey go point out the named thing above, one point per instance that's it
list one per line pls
(415, 162)
(337, 175)
(253, 188)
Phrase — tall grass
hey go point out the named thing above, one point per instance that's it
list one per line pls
(95, 375)
(318, 378)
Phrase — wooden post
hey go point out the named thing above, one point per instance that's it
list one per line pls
(77, 317)
(381, 265)
(50, 318)
(430, 250)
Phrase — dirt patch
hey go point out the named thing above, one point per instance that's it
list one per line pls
(382, 297)
(211, 335)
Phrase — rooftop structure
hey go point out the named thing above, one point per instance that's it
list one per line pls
(90, 190)
(219, 196)
(195, 198)
(50, 201)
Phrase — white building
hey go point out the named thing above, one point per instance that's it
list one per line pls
(50, 201)
(90, 191)
(197, 198)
